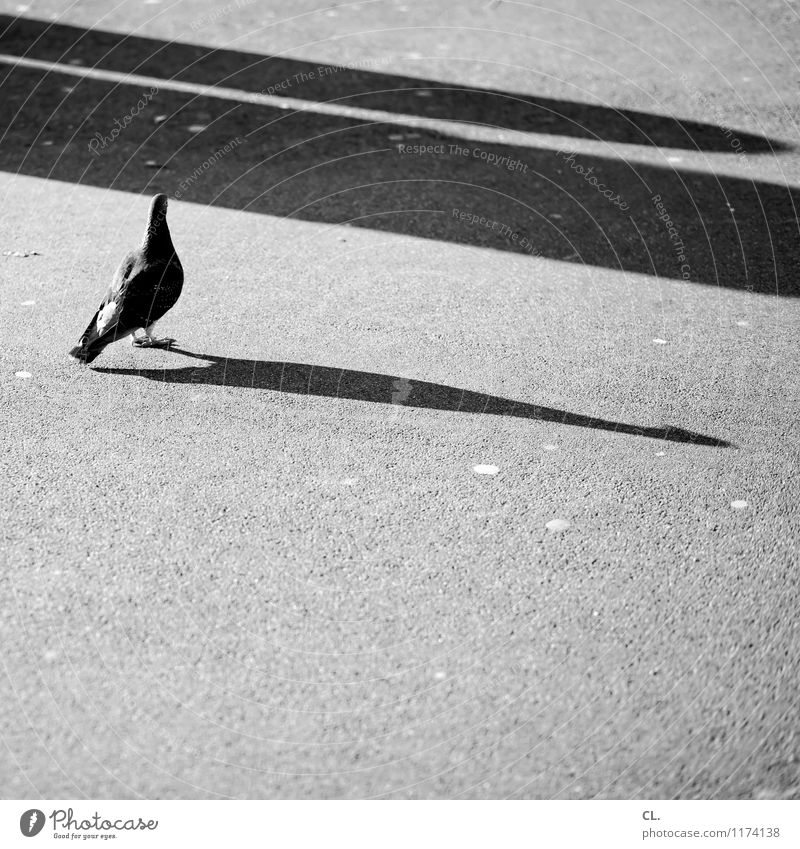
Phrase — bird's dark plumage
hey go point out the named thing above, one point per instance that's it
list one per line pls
(145, 286)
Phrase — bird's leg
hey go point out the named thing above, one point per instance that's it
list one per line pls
(150, 341)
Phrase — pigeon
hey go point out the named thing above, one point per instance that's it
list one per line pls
(147, 284)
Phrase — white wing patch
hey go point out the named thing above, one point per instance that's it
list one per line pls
(108, 316)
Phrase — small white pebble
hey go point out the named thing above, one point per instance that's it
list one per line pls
(485, 470)
(556, 525)
(159, 118)
(47, 143)
(743, 324)
(22, 374)
(739, 504)
(555, 215)
(439, 676)
(196, 128)
(674, 159)
(660, 453)
(659, 341)
(28, 303)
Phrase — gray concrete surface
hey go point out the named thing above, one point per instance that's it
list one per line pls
(229, 574)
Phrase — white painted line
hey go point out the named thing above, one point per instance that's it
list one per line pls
(465, 129)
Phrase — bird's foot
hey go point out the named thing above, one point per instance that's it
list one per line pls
(147, 342)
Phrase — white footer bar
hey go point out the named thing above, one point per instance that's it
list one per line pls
(402, 825)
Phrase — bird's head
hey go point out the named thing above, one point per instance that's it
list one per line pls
(157, 219)
(158, 205)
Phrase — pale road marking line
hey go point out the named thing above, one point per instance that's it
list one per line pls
(465, 129)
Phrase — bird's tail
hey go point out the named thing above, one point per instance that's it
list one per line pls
(85, 353)
(91, 344)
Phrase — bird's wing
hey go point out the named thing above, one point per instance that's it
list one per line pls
(151, 291)
(107, 318)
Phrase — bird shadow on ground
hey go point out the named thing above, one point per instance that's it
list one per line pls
(327, 382)
(209, 137)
